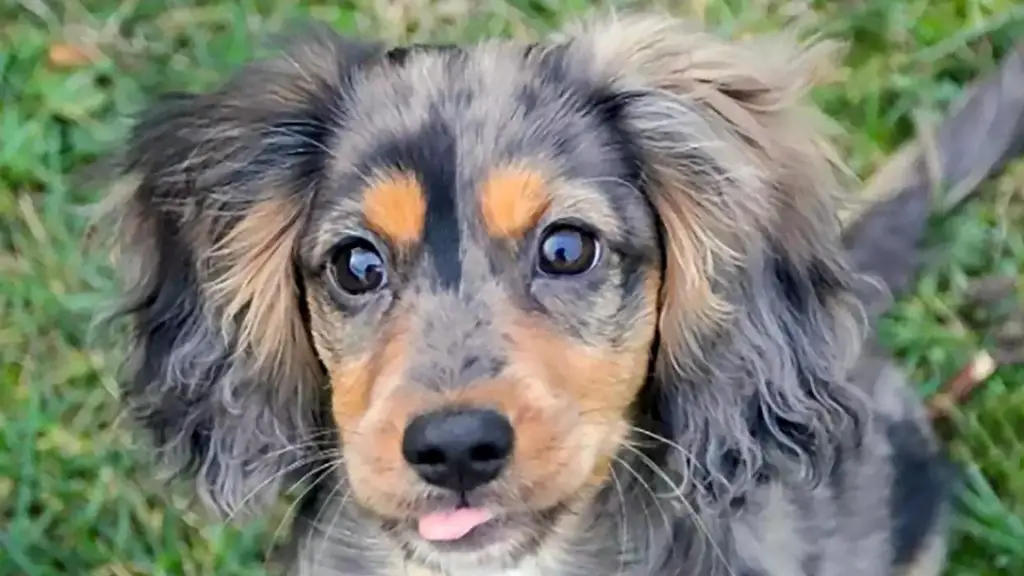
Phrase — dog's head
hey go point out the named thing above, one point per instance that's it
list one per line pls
(473, 279)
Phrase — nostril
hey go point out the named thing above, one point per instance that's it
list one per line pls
(485, 453)
(428, 457)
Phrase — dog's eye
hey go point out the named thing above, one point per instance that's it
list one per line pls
(567, 250)
(357, 267)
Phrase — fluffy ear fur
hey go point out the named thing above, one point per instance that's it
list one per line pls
(757, 326)
(214, 195)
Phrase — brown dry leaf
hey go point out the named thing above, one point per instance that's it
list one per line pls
(64, 55)
(959, 388)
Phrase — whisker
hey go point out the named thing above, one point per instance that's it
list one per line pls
(692, 461)
(691, 511)
(273, 477)
(654, 498)
(294, 448)
(624, 529)
(322, 471)
(326, 534)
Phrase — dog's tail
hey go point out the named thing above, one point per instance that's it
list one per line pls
(932, 174)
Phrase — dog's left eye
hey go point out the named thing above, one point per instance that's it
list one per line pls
(357, 267)
(567, 250)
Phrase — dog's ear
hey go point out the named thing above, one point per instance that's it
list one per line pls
(212, 197)
(756, 323)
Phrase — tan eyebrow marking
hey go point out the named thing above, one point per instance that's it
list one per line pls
(512, 201)
(395, 206)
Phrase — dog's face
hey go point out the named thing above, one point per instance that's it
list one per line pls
(471, 263)
(482, 275)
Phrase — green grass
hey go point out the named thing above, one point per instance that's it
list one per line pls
(75, 495)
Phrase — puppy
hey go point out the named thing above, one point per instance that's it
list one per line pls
(574, 307)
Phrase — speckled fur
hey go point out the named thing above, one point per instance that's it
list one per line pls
(715, 351)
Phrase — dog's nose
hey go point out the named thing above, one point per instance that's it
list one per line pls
(458, 449)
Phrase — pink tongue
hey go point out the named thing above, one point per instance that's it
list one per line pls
(447, 526)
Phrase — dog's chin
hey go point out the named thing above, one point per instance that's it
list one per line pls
(499, 539)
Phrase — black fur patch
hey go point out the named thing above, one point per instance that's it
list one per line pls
(399, 55)
(803, 288)
(301, 138)
(920, 489)
(166, 309)
(609, 107)
(431, 154)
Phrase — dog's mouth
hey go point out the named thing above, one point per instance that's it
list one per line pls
(455, 525)
(474, 531)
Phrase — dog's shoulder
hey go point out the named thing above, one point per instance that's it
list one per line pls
(883, 509)
(920, 477)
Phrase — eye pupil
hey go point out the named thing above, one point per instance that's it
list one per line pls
(359, 268)
(567, 250)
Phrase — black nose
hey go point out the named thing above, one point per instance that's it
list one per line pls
(458, 449)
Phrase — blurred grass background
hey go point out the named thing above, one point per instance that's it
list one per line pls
(75, 493)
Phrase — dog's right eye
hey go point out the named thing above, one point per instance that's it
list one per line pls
(357, 267)
(567, 250)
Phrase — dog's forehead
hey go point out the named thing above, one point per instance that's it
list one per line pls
(430, 135)
(495, 100)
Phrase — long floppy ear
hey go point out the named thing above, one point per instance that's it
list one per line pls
(213, 196)
(757, 324)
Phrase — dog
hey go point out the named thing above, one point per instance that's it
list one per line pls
(577, 306)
